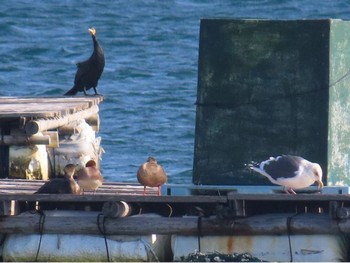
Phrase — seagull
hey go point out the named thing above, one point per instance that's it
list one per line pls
(151, 174)
(291, 172)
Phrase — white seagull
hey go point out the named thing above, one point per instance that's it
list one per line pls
(291, 172)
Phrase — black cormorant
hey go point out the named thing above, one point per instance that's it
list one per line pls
(89, 71)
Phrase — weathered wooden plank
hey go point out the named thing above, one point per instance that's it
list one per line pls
(44, 107)
(136, 197)
(287, 197)
(270, 224)
(22, 186)
(92, 99)
(41, 109)
(21, 140)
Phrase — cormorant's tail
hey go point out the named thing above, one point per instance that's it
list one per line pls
(72, 91)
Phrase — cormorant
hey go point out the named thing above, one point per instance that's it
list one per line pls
(89, 71)
(151, 174)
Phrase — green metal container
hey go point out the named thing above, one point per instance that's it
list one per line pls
(266, 88)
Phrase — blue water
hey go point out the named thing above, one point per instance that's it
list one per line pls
(150, 78)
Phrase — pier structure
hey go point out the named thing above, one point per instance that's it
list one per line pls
(40, 135)
(265, 88)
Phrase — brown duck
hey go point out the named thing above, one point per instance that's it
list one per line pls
(151, 174)
(61, 184)
(89, 177)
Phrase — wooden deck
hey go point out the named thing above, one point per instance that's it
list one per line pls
(232, 213)
(29, 121)
(45, 107)
(26, 187)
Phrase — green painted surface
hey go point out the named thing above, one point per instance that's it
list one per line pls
(264, 89)
(339, 105)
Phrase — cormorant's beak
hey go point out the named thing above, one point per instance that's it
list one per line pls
(320, 184)
(92, 31)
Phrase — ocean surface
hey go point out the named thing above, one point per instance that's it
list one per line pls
(150, 78)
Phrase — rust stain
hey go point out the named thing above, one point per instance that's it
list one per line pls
(229, 245)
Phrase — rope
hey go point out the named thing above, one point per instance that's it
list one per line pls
(289, 232)
(170, 210)
(199, 229)
(41, 230)
(103, 232)
(150, 250)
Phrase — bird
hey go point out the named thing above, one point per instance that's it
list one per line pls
(291, 172)
(151, 174)
(89, 71)
(89, 177)
(61, 184)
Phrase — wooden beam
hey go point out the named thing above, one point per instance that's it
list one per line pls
(113, 198)
(25, 140)
(34, 126)
(270, 224)
(71, 128)
(288, 197)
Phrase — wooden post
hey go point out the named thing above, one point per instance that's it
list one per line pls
(24, 140)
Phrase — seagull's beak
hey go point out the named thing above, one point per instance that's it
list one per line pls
(320, 184)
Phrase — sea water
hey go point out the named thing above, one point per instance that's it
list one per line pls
(150, 79)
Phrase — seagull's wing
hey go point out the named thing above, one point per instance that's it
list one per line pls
(285, 166)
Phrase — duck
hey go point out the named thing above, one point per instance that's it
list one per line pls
(59, 185)
(151, 174)
(89, 177)
(62, 184)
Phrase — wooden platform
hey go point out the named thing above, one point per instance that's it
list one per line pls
(44, 113)
(44, 107)
(28, 187)
(35, 121)
(232, 213)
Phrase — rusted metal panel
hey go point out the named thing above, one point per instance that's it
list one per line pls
(276, 248)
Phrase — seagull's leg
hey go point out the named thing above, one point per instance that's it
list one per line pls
(285, 189)
(289, 190)
(85, 91)
(292, 191)
(159, 190)
(144, 190)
